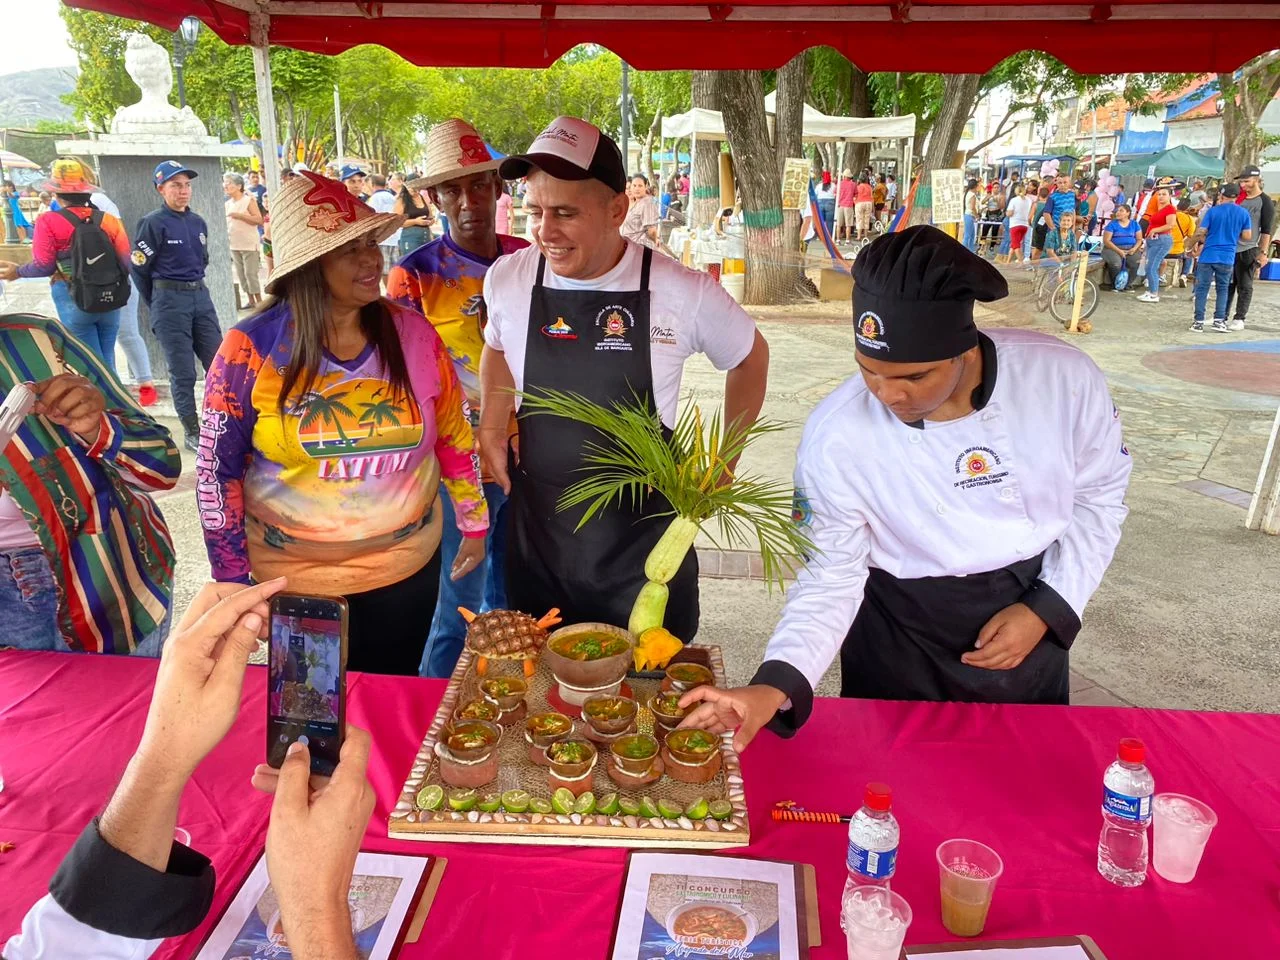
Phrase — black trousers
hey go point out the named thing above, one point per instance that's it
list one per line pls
(186, 324)
(1242, 282)
(388, 626)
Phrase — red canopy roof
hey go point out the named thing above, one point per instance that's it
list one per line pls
(944, 36)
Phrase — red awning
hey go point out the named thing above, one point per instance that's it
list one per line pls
(942, 36)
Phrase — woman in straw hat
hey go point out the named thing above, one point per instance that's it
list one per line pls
(331, 417)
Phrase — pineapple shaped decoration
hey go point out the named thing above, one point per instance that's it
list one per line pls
(507, 635)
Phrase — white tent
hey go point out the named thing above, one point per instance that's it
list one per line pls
(818, 127)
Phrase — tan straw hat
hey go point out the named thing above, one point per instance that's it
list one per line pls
(454, 149)
(313, 215)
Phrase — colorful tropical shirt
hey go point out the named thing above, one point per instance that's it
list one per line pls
(106, 542)
(337, 491)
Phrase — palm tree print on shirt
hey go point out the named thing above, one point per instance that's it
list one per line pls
(314, 406)
(381, 411)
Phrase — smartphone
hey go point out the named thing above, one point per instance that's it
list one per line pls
(307, 678)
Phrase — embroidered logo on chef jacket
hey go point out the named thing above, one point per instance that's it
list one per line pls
(977, 467)
(665, 335)
(616, 322)
(870, 331)
(559, 330)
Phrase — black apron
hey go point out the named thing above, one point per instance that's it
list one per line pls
(906, 641)
(594, 343)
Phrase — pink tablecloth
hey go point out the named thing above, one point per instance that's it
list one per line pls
(1024, 779)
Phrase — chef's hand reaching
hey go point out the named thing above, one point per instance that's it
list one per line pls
(745, 709)
(1007, 638)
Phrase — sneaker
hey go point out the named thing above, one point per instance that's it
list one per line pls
(147, 395)
(1197, 326)
(192, 442)
(1236, 325)
(1220, 326)
(1182, 281)
(1149, 297)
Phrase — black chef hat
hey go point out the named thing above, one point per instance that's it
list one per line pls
(913, 295)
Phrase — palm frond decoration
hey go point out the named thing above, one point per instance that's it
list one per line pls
(634, 460)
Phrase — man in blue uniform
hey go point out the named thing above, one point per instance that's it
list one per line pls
(170, 253)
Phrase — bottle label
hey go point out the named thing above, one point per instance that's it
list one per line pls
(870, 863)
(1136, 809)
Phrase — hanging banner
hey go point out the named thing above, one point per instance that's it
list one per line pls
(795, 183)
(948, 196)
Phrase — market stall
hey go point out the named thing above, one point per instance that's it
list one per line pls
(1023, 779)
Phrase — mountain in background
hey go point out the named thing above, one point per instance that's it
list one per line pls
(33, 95)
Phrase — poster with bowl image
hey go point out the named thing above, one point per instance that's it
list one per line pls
(699, 908)
(383, 892)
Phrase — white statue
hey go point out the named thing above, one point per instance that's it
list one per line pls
(148, 64)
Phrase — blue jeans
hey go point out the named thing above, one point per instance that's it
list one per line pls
(480, 590)
(29, 599)
(827, 208)
(1218, 274)
(970, 236)
(131, 342)
(1005, 240)
(1158, 248)
(97, 331)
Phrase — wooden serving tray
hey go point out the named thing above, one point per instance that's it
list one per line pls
(515, 770)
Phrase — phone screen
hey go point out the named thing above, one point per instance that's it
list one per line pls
(306, 687)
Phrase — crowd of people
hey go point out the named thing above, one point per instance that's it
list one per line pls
(1170, 232)
(855, 209)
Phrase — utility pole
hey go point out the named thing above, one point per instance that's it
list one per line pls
(337, 124)
(626, 112)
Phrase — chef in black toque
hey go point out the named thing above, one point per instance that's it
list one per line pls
(965, 495)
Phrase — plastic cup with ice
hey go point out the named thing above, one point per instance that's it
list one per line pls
(1181, 829)
(875, 921)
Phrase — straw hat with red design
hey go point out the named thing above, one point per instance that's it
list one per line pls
(454, 149)
(313, 215)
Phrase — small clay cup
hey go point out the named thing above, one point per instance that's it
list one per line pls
(608, 726)
(571, 771)
(544, 740)
(484, 709)
(470, 754)
(666, 720)
(518, 687)
(676, 746)
(686, 676)
(633, 765)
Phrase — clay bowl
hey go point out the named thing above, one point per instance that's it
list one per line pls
(587, 675)
(478, 709)
(692, 746)
(665, 711)
(544, 729)
(507, 692)
(571, 769)
(488, 732)
(638, 766)
(612, 714)
(686, 676)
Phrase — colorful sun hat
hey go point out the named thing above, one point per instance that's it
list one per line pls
(68, 176)
(454, 149)
(313, 215)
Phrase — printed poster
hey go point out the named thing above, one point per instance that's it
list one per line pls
(383, 891)
(690, 907)
(948, 196)
(795, 183)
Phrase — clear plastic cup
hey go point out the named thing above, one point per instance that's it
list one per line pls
(875, 921)
(968, 872)
(1181, 828)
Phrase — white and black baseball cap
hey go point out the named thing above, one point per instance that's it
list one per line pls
(1249, 171)
(571, 149)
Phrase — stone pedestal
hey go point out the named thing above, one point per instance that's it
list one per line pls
(126, 166)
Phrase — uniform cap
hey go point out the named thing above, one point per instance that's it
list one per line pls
(913, 295)
(348, 171)
(166, 170)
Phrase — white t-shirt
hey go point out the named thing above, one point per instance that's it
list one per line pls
(1020, 211)
(384, 201)
(688, 313)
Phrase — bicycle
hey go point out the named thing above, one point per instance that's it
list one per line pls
(1057, 294)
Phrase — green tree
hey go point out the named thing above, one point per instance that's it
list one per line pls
(1245, 94)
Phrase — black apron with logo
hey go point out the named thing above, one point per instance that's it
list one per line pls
(906, 641)
(594, 343)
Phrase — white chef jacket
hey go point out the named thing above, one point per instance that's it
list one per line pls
(1041, 467)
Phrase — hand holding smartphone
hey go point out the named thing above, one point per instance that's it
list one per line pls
(307, 678)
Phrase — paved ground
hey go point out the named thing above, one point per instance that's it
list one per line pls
(1186, 617)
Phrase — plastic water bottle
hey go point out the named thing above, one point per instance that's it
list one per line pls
(1127, 787)
(873, 840)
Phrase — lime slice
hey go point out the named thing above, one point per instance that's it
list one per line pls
(562, 800)
(608, 804)
(462, 800)
(585, 804)
(670, 810)
(490, 802)
(628, 806)
(431, 797)
(515, 801)
(540, 805)
(647, 807)
(697, 810)
(720, 809)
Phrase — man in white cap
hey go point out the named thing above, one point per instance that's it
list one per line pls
(444, 281)
(591, 312)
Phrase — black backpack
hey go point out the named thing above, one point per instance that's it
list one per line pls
(98, 282)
